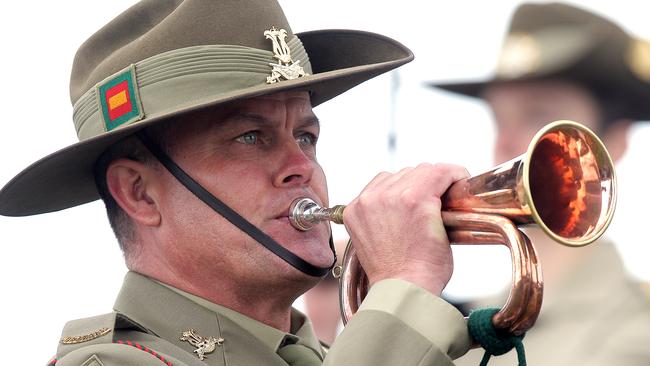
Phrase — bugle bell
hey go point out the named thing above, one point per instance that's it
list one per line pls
(565, 183)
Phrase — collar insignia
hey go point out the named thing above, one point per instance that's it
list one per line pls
(86, 337)
(203, 345)
(286, 68)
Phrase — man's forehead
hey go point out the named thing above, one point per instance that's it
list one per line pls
(270, 101)
(282, 96)
(260, 109)
(273, 106)
(536, 103)
(533, 89)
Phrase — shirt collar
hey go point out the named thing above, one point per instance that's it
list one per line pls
(301, 327)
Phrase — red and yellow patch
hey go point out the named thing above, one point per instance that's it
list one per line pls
(118, 99)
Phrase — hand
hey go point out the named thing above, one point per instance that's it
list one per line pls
(396, 227)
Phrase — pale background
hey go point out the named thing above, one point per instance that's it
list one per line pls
(66, 265)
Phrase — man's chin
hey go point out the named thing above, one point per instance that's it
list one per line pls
(322, 259)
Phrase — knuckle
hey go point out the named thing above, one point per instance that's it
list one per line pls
(364, 199)
(426, 166)
(381, 177)
(433, 170)
(446, 170)
(409, 197)
(405, 170)
(442, 167)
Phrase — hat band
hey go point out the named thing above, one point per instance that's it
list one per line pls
(172, 80)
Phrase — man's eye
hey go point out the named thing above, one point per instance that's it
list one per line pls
(307, 139)
(249, 138)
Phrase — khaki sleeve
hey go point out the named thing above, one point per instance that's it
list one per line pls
(626, 345)
(115, 355)
(400, 323)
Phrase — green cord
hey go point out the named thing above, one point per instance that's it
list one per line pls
(495, 344)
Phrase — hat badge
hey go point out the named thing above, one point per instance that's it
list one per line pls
(521, 55)
(637, 58)
(286, 68)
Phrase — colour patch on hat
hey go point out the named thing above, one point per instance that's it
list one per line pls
(119, 100)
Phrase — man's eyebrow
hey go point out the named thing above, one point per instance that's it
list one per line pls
(247, 117)
(307, 121)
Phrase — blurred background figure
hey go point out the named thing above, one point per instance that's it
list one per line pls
(321, 303)
(562, 62)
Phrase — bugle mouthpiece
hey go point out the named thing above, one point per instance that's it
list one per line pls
(305, 213)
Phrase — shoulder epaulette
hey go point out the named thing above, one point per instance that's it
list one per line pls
(104, 333)
(83, 332)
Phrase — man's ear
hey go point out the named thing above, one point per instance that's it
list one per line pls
(129, 182)
(615, 138)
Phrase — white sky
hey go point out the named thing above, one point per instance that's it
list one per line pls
(66, 265)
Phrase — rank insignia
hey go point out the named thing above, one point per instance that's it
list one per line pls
(286, 68)
(86, 337)
(119, 100)
(203, 344)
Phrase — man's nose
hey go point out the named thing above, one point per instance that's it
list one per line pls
(296, 167)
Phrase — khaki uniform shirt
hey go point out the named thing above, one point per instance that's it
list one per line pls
(398, 324)
(597, 317)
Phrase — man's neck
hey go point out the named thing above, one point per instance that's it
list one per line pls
(258, 304)
(265, 304)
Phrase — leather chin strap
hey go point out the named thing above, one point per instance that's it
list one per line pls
(232, 216)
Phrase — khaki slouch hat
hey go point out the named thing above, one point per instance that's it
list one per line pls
(558, 41)
(163, 58)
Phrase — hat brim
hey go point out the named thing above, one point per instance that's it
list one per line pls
(470, 89)
(340, 59)
(475, 88)
(631, 105)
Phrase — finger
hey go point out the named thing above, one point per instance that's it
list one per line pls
(434, 179)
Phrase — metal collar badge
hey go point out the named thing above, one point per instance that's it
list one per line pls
(203, 344)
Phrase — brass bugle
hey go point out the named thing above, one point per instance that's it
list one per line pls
(565, 183)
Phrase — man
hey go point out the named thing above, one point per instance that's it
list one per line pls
(197, 130)
(561, 62)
